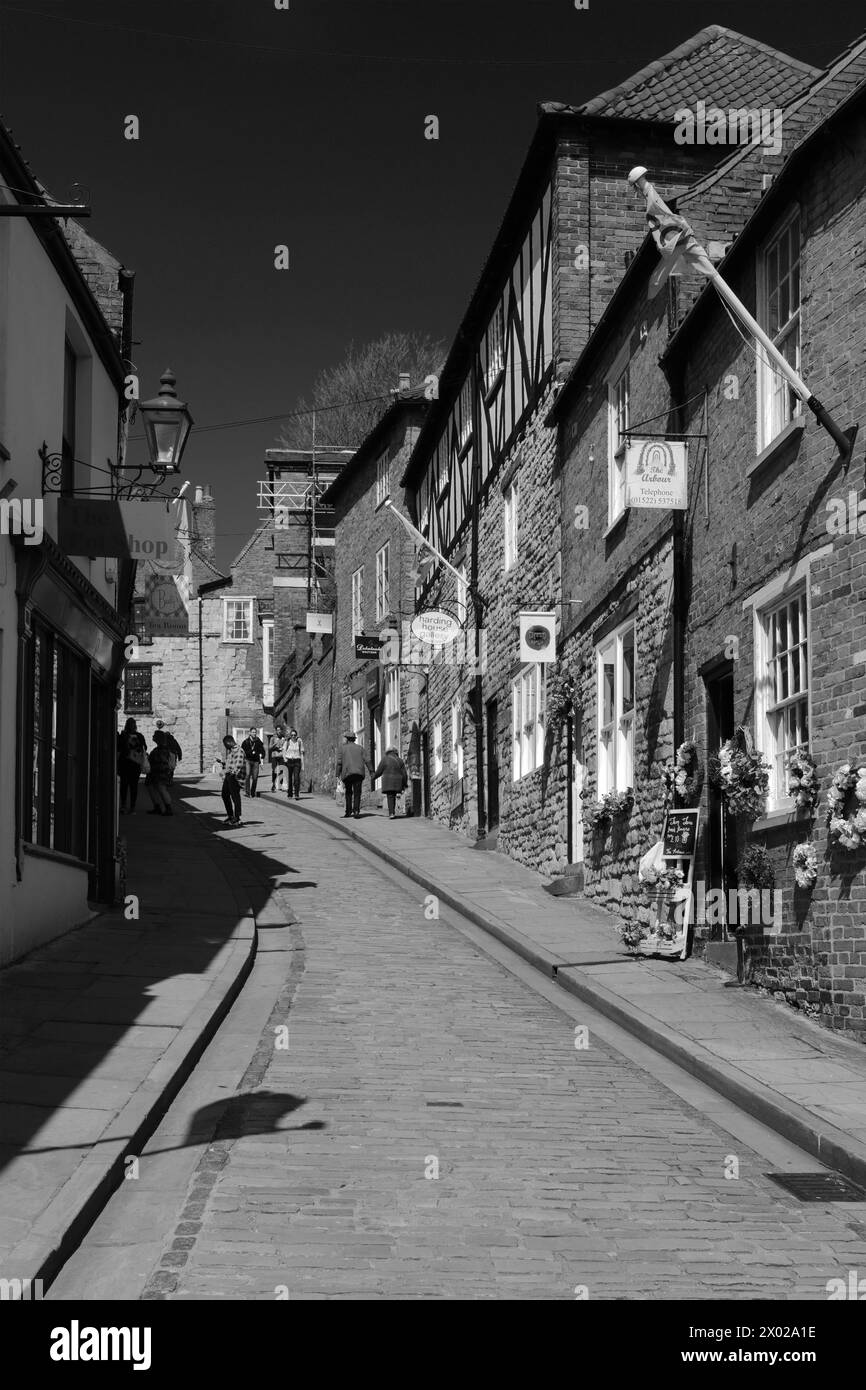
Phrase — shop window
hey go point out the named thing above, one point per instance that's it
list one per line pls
(56, 790)
(138, 690)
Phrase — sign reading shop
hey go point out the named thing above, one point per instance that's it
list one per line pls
(655, 473)
(537, 637)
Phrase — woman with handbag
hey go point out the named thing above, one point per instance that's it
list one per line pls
(131, 763)
(159, 778)
(394, 776)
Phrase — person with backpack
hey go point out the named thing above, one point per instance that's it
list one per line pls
(172, 743)
(294, 754)
(131, 763)
(159, 778)
(254, 751)
(395, 778)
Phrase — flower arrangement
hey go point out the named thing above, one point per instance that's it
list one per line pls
(805, 862)
(662, 880)
(561, 693)
(684, 776)
(741, 777)
(597, 813)
(846, 807)
(755, 869)
(803, 780)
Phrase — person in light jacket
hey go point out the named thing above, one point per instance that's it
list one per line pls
(395, 778)
(351, 766)
(294, 754)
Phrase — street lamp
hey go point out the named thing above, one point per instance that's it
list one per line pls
(167, 423)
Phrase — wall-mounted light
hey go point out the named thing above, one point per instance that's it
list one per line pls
(167, 423)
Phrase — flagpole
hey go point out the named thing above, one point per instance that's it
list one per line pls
(843, 438)
(415, 532)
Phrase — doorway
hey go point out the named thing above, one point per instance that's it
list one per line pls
(721, 837)
(492, 765)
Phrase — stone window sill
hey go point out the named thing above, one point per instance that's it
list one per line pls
(777, 446)
(615, 524)
(42, 852)
(772, 821)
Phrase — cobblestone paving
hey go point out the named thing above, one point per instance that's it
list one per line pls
(562, 1171)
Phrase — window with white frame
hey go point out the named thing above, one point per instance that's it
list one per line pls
(267, 650)
(528, 701)
(782, 669)
(383, 479)
(465, 408)
(358, 602)
(391, 726)
(238, 619)
(615, 659)
(461, 596)
(779, 301)
(437, 748)
(356, 716)
(511, 509)
(456, 739)
(617, 425)
(494, 346)
(383, 589)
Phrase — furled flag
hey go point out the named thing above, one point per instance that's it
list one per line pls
(680, 250)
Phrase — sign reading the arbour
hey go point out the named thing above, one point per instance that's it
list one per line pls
(655, 473)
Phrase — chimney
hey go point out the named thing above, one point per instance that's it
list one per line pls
(204, 520)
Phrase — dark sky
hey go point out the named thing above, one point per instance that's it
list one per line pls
(306, 127)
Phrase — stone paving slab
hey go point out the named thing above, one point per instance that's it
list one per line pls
(786, 1070)
(101, 1027)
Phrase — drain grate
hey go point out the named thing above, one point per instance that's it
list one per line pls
(819, 1187)
(445, 1104)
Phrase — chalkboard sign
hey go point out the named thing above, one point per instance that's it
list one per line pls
(681, 833)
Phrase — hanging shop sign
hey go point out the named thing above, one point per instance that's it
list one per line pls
(655, 473)
(367, 648)
(91, 527)
(436, 627)
(150, 531)
(165, 613)
(537, 637)
(320, 622)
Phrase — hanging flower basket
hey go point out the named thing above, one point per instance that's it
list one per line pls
(740, 776)
(561, 695)
(755, 869)
(683, 777)
(805, 863)
(846, 807)
(803, 780)
(597, 814)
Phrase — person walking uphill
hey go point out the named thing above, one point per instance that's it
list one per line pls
(351, 766)
(131, 762)
(234, 764)
(159, 778)
(254, 751)
(395, 778)
(294, 754)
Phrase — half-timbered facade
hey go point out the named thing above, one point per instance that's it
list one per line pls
(483, 475)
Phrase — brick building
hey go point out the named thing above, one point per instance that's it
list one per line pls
(378, 698)
(746, 609)
(483, 477)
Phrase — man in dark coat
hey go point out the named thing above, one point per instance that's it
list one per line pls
(395, 778)
(351, 766)
(171, 742)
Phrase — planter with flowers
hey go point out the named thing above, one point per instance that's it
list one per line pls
(740, 776)
(598, 815)
(846, 807)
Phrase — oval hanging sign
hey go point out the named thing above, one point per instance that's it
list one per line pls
(435, 627)
(536, 637)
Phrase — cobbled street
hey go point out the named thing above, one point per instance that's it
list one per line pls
(432, 1131)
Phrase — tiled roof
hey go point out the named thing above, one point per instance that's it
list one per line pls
(716, 65)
